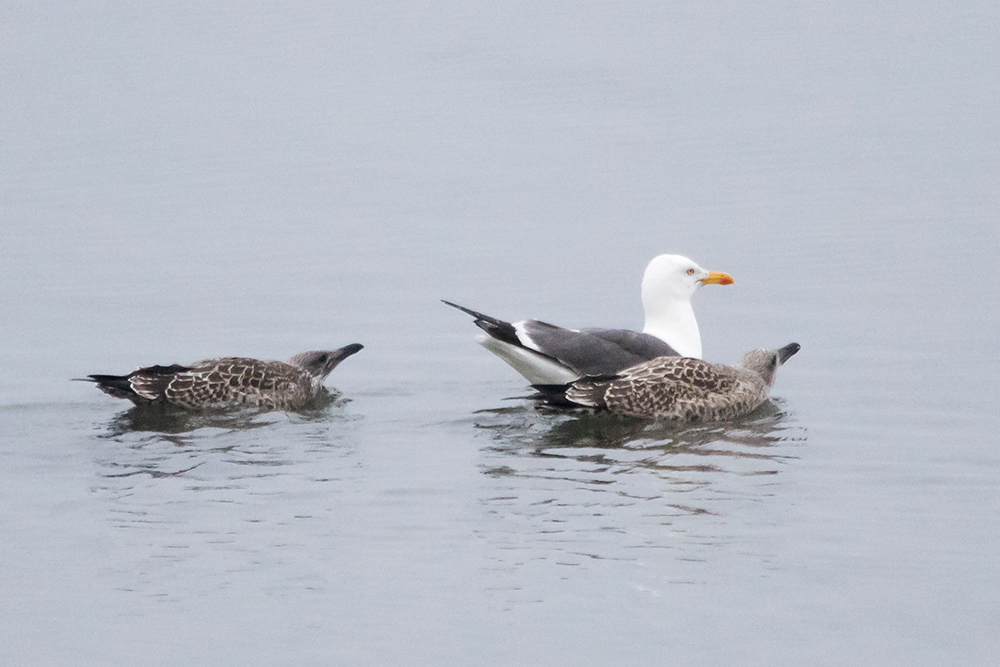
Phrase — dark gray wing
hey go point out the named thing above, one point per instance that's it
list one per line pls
(585, 352)
(595, 351)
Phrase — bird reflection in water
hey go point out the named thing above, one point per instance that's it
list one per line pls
(159, 441)
(168, 419)
(607, 452)
(524, 430)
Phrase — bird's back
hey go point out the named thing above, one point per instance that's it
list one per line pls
(236, 381)
(214, 383)
(677, 388)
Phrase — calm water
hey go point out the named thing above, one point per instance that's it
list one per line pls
(182, 182)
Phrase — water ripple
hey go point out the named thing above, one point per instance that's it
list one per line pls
(558, 486)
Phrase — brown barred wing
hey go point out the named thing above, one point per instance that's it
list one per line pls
(150, 383)
(666, 387)
(702, 377)
(234, 381)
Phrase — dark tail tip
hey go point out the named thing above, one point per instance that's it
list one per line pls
(113, 385)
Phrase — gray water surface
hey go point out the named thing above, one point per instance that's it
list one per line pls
(186, 181)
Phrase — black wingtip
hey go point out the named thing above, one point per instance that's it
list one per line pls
(113, 385)
(468, 311)
(553, 394)
(495, 328)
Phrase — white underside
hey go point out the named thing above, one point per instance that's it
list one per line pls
(535, 368)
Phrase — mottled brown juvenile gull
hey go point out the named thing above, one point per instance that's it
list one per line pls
(229, 382)
(682, 388)
(549, 355)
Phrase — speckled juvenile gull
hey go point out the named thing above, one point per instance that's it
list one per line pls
(546, 354)
(683, 389)
(229, 382)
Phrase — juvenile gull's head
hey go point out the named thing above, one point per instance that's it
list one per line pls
(319, 363)
(766, 362)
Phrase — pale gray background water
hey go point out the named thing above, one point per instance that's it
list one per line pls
(190, 179)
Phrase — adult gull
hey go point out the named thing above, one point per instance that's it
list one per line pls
(546, 354)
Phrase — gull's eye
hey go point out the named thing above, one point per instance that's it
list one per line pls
(322, 359)
(690, 272)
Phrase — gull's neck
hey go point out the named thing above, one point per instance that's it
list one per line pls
(675, 324)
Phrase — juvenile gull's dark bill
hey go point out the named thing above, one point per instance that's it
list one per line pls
(229, 382)
(546, 354)
(680, 388)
